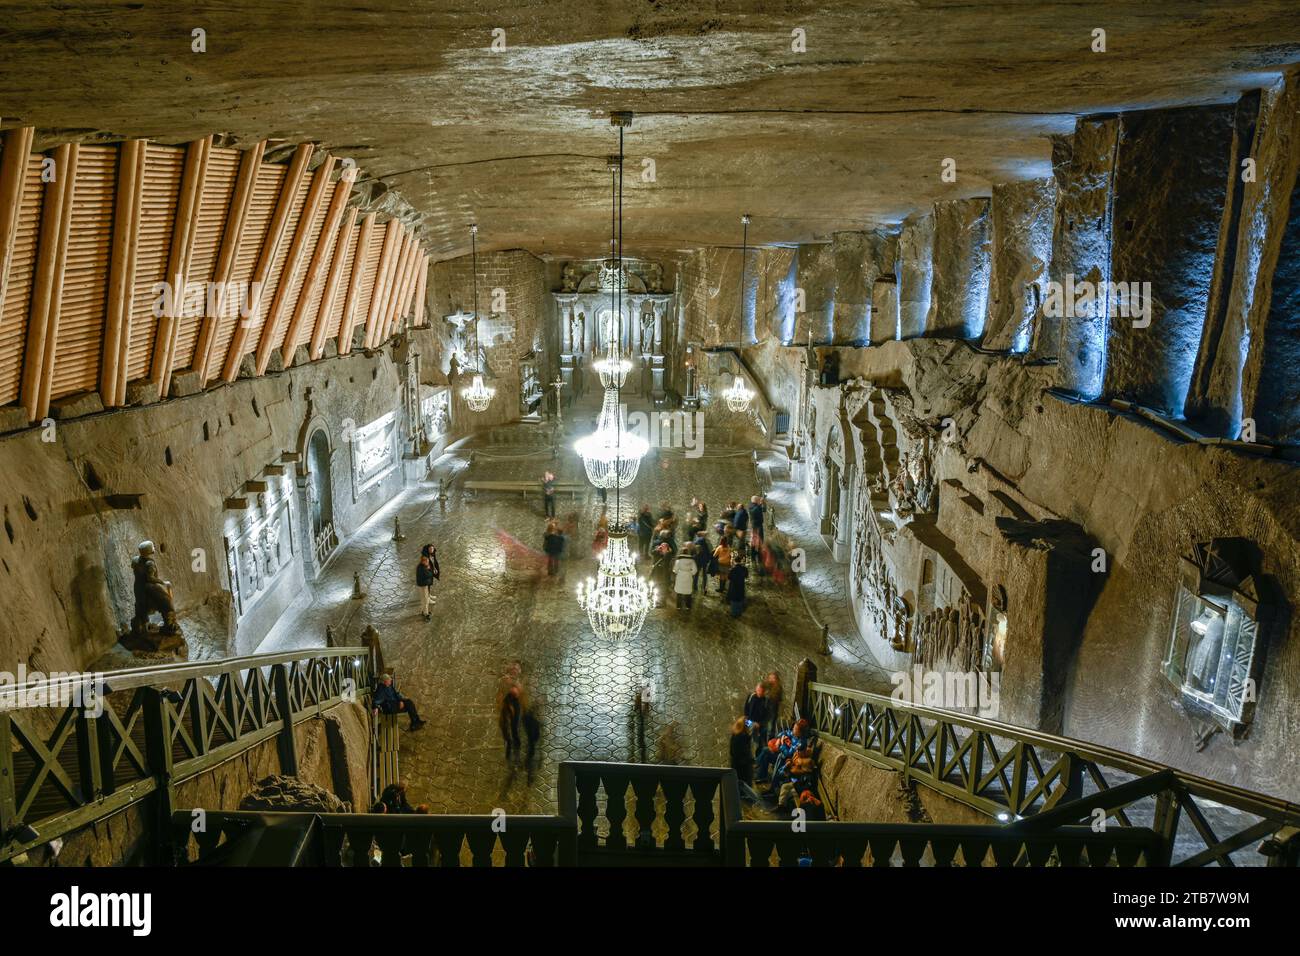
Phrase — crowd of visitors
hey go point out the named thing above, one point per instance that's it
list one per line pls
(775, 762)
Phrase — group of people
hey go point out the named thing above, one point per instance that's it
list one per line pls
(686, 568)
(774, 760)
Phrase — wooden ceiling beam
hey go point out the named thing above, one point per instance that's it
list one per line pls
(293, 262)
(233, 236)
(379, 295)
(404, 288)
(121, 272)
(316, 268)
(47, 287)
(393, 306)
(346, 235)
(13, 174)
(348, 322)
(274, 236)
(184, 230)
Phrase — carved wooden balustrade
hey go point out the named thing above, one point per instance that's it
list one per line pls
(1038, 782)
(245, 838)
(678, 815)
(761, 844)
(78, 749)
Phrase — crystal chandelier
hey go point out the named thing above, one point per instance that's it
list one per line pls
(616, 600)
(738, 396)
(477, 396)
(610, 454)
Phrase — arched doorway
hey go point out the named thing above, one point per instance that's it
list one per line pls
(320, 496)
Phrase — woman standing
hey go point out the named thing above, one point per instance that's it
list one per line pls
(684, 578)
(722, 566)
(601, 539)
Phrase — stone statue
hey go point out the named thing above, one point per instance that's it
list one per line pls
(152, 594)
(655, 277)
(570, 277)
(454, 366)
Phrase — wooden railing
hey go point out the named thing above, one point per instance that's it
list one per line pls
(1038, 782)
(77, 750)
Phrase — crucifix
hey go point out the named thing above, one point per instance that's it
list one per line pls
(557, 385)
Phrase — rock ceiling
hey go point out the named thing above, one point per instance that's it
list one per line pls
(847, 134)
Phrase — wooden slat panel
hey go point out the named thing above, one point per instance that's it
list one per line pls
(383, 280)
(402, 278)
(163, 167)
(271, 287)
(270, 179)
(280, 323)
(369, 271)
(85, 276)
(336, 286)
(15, 146)
(22, 267)
(269, 262)
(306, 313)
(214, 207)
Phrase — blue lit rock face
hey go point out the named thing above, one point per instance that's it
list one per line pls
(915, 268)
(1277, 398)
(860, 259)
(816, 276)
(1170, 186)
(1021, 242)
(959, 283)
(1214, 397)
(1083, 166)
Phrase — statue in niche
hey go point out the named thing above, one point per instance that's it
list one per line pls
(1206, 648)
(655, 279)
(454, 366)
(647, 342)
(253, 567)
(830, 368)
(271, 549)
(152, 595)
(569, 278)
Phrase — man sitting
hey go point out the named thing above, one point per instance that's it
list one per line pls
(389, 700)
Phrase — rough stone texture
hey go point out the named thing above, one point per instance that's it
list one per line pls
(961, 267)
(1170, 185)
(506, 335)
(816, 275)
(1214, 409)
(859, 791)
(916, 272)
(184, 384)
(1020, 233)
(66, 554)
(1084, 166)
(74, 406)
(279, 793)
(884, 310)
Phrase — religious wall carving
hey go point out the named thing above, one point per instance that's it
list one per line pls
(951, 636)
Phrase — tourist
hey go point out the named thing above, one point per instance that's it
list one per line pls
(393, 800)
(740, 521)
(684, 570)
(736, 586)
(553, 546)
(510, 709)
(548, 493)
(775, 695)
(722, 565)
(728, 514)
(812, 808)
(703, 556)
(742, 760)
(645, 529)
(662, 570)
(757, 515)
(758, 715)
(532, 721)
(424, 585)
(601, 538)
(388, 700)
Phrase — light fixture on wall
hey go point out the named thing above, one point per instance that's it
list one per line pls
(617, 599)
(477, 396)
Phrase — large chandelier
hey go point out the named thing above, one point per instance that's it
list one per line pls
(738, 396)
(610, 454)
(616, 600)
(477, 396)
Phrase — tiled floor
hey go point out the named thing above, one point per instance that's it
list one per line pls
(496, 604)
